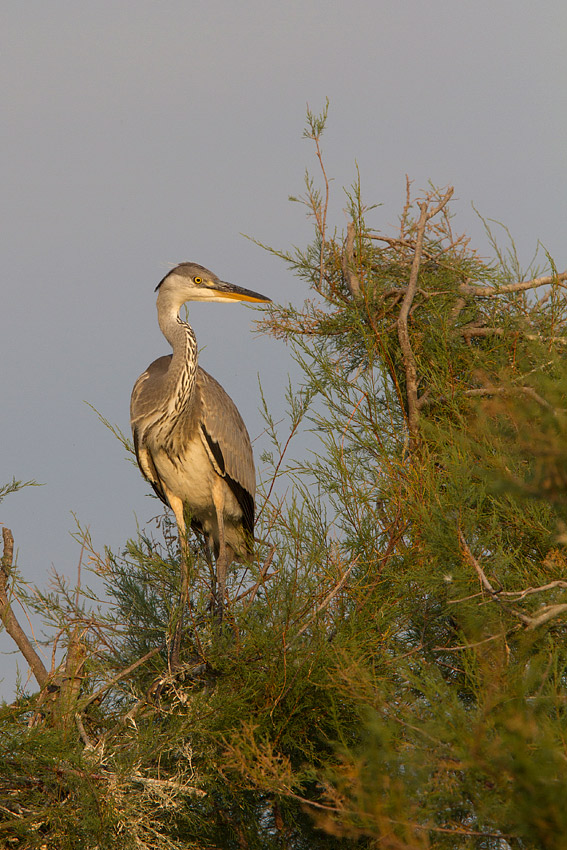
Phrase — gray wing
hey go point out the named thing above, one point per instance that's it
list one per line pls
(228, 441)
(145, 398)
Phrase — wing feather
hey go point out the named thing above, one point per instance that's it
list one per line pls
(142, 403)
(228, 442)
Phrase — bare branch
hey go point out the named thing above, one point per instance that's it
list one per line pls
(520, 286)
(520, 594)
(529, 391)
(66, 700)
(9, 618)
(406, 209)
(82, 732)
(485, 582)
(478, 569)
(350, 276)
(442, 203)
(545, 614)
(161, 785)
(468, 331)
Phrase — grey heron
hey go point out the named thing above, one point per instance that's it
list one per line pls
(191, 443)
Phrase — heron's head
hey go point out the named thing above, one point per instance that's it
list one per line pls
(192, 282)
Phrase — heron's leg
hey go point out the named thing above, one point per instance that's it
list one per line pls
(224, 556)
(177, 508)
(209, 546)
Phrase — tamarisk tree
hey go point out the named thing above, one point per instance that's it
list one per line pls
(391, 672)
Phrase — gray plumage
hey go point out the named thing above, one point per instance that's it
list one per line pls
(191, 443)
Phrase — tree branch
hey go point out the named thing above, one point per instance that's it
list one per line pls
(328, 598)
(548, 612)
(520, 286)
(9, 618)
(403, 332)
(529, 391)
(350, 276)
(123, 673)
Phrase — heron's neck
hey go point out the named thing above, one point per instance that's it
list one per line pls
(180, 335)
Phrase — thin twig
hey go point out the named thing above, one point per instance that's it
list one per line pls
(276, 470)
(123, 673)
(466, 645)
(261, 580)
(323, 604)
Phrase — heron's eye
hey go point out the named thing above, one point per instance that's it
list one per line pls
(197, 280)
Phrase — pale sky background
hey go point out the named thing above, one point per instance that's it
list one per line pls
(139, 134)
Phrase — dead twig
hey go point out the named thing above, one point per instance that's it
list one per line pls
(9, 618)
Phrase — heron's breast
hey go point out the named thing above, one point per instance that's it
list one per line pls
(187, 472)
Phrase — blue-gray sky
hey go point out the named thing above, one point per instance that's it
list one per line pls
(139, 134)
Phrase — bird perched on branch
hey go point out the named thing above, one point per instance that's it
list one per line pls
(191, 443)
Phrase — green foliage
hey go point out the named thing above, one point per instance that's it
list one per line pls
(391, 670)
(14, 486)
